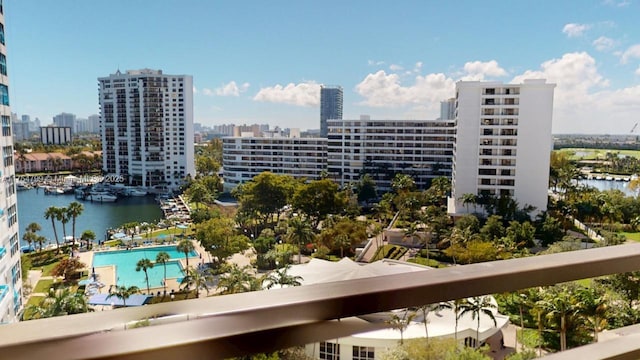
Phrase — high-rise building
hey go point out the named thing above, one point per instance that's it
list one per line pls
(503, 142)
(147, 127)
(448, 109)
(10, 271)
(93, 123)
(65, 120)
(55, 135)
(330, 106)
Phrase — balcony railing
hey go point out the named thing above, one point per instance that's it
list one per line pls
(233, 325)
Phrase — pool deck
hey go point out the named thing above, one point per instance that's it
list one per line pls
(107, 274)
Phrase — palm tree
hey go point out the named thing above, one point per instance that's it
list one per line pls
(185, 246)
(477, 306)
(88, 236)
(122, 292)
(401, 323)
(594, 305)
(425, 310)
(30, 235)
(558, 306)
(197, 280)
(455, 305)
(238, 279)
(467, 199)
(62, 216)
(162, 258)
(73, 211)
(144, 265)
(58, 303)
(280, 277)
(299, 232)
(52, 213)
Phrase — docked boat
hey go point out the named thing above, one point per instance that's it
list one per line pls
(99, 196)
(135, 192)
(53, 190)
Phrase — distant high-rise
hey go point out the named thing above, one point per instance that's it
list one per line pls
(10, 270)
(448, 109)
(330, 106)
(147, 127)
(65, 120)
(93, 123)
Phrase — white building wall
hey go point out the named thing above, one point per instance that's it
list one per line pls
(11, 302)
(503, 142)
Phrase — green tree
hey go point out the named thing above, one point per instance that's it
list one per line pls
(342, 241)
(88, 236)
(558, 308)
(218, 236)
(282, 278)
(299, 233)
(162, 257)
(199, 194)
(59, 302)
(123, 293)
(238, 279)
(52, 213)
(467, 199)
(30, 235)
(197, 280)
(401, 322)
(318, 199)
(63, 217)
(74, 210)
(185, 246)
(403, 183)
(265, 196)
(493, 228)
(144, 265)
(594, 305)
(478, 306)
(366, 189)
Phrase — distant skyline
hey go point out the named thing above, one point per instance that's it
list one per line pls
(264, 62)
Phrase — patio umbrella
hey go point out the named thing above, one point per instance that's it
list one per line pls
(182, 226)
(118, 235)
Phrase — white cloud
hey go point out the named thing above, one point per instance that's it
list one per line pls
(385, 90)
(575, 30)
(208, 92)
(394, 67)
(375, 63)
(232, 89)
(195, 91)
(604, 43)
(622, 3)
(633, 52)
(477, 70)
(302, 94)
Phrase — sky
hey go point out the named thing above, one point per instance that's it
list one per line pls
(264, 61)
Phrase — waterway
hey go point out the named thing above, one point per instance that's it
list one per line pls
(97, 217)
(603, 185)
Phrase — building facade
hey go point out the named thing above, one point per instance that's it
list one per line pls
(147, 127)
(65, 120)
(245, 157)
(55, 135)
(503, 142)
(10, 272)
(448, 109)
(331, 98)
(383, 148)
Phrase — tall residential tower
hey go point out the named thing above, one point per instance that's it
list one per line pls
(330, 107)
(503, 140)
(10, 272)
(147, 127)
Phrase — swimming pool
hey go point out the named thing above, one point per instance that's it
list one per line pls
(125, 265)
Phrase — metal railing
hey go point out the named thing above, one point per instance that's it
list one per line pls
(233, 325)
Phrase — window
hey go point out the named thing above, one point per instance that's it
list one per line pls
(7, 155)
(12, 215)
(4, 95)
(3, 64)
(329, 351)
(363, 353)
(6, 125)
(15, 246)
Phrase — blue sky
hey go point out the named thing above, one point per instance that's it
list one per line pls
(263, 61)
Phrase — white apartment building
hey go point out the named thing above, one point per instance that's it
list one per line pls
(10, 271)
(503, 142)
(245, 157)
(383, 148)
(147, 127)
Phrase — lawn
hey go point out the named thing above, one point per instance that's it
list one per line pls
(634, 236)
(529, 337)
(595, 154)
(389, 252)
(43, 286)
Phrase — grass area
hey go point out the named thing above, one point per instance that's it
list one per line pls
(394, 252)
(529, 337)
(176, 296)
(43, 286)
(33, 301)
(423, 261)
(596, 154)
(633, 236)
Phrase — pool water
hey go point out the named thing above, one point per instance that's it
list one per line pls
(125, 265)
